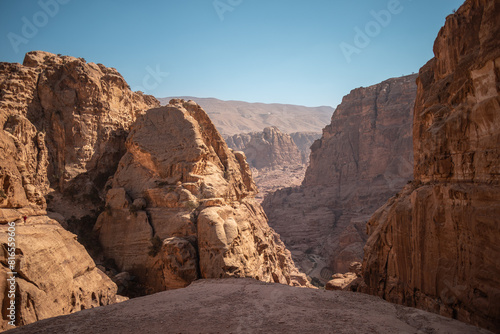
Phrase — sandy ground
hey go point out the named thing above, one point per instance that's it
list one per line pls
(249, 306)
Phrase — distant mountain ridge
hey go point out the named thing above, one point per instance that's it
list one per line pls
(235, 117)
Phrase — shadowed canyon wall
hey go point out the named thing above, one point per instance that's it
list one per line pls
(435, 245)
(363, 158)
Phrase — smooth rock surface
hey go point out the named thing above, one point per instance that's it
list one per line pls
(248, 306)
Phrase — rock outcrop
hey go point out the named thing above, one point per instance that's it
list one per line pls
(276, 161)
(55, 275)
(304, 141)
(269, 148)
(181, 207)
(435, 245)
(363, 158)
(63, 124)
(249, 306)
(71, 120)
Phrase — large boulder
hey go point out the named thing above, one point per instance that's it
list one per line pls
(200, 218)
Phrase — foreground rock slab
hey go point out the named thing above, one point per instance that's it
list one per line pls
(249, 306)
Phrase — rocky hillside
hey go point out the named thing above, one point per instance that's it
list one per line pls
(363, 158)
(235, 117)
(435, 245)
(181, 207)
(249, 306)
(63, 126)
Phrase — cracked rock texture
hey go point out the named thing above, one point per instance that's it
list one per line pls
(363, 158)
(198, 217)
(435, 245)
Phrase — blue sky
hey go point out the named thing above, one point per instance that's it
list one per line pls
(282, 51)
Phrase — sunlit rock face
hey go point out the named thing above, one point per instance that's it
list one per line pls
(182, 207)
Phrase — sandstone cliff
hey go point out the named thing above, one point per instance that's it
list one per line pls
(435, 245)
(63, 124)
(73, 114)
(304, 141)
(363, 158)
(269, 148)
(275, 159)
(181, 207)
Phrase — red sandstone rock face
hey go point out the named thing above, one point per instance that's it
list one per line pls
(63, 124)
(435, 245)
(179, 188)
(83, 111)
(363, 158)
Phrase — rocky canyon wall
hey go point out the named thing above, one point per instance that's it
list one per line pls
(435, 245)
(63, 126)
(269, 148)
(182, 207)
(363, 158)
(275, 158)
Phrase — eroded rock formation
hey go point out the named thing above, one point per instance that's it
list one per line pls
(435, 245)
(63, 124)
(181, 207)
(82, 109)
(55, 275)
(276, 161)
(363, 158)
(304, 141)
(269, 148)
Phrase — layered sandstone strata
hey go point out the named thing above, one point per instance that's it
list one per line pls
(363, 158)
(181, 207)
(435, 245)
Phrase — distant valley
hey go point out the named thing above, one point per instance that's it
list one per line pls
(235, 117)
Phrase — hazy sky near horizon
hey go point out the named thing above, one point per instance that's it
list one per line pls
(273, 51)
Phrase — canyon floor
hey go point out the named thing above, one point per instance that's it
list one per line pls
(250, 306)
